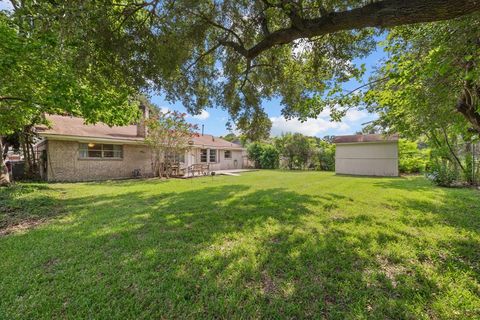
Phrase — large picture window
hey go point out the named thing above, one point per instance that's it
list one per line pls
(101, 151)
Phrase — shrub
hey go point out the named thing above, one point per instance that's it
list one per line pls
(269, 159)
(265, 156)
(411, 158)
(442, 173)
(254, 152)
(326, 157)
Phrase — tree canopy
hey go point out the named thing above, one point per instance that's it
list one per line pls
(39, 76)
(431, 78)
(232, 54)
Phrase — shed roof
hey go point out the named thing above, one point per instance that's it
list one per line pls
(66, 126)
(359, 138)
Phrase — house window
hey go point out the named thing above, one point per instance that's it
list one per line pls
(98, 150)
(213, 155)
(175, 158)
(228, 154)
(203, 155)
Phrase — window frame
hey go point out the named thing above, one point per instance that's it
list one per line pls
(202, 155)
(84, 151)
(178, 157)
(225, 154)
(215, 154)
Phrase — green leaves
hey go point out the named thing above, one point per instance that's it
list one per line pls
(40, 75)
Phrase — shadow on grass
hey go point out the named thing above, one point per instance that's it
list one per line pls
(219, 251)
(25, 205)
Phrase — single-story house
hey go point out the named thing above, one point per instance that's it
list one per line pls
(367, 155)
(73, 151)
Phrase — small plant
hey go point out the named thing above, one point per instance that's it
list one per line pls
(442, 173)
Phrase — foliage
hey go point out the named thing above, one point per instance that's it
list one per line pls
(40, 74)
(428, 89)
(430, 78)
(265, 156)
(442, 173)
(252, 246)
(169, 134)
(296, 149)
(186, 49)
(230, 137)
(325, 154)
(303, 152)
(269, 158)
(411, 159)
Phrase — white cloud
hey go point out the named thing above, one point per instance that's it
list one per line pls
(6, 5)
(164, 109)
(311, 127)
(354, 115)
(202, 116)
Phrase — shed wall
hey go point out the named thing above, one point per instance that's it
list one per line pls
(372, 159)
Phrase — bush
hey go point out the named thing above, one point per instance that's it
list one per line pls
(442, 173)
(410, 158)
(265, 156)
(326, 157)
(269, 158)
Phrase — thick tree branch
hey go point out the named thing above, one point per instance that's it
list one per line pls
(381, 14)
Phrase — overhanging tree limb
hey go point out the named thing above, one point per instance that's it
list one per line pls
(381, 14)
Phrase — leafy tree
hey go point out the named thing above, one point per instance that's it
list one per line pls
(429, 87)
(234, 54)
(269, 158)
(325, 153)
(169, 135)
(265, 156)
(296, 148)
(39, 75)
(231, 137)
(431, 79)
(411, 159)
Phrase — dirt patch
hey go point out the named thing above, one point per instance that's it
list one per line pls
(268, 285)
(20, 227)
(390, 270)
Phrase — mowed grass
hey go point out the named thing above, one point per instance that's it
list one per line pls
(267, 244)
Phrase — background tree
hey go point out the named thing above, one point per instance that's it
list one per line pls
(169, 135)
(264, 155)
(325, 154)
(296, 149)
(412, 159)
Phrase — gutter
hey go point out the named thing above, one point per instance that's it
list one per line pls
(84, 139)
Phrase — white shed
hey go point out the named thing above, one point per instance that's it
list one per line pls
(367, 155)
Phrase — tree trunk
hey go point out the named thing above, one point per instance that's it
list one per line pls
(467, 103)
(4, 176)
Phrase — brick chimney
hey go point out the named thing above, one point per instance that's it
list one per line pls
(141, 126)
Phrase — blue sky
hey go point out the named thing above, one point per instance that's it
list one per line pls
(215, 119)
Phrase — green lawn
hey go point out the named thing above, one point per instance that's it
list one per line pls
(267, 244)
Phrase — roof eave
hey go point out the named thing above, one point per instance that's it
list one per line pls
(52, 136)
(367, 142)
